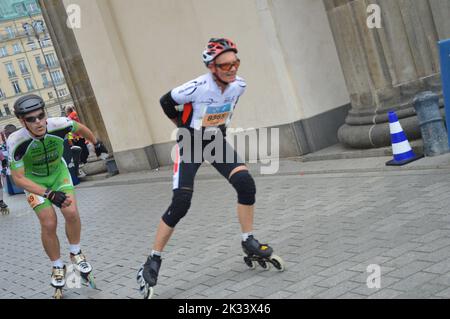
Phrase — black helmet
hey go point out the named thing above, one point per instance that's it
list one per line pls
(27, 104)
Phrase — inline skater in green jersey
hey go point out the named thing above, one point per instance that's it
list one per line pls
(37, 165)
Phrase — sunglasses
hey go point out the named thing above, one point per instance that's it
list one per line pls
(228, 66)
(32, 119)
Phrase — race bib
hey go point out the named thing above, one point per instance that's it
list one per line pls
(34, 200)
(216, 115)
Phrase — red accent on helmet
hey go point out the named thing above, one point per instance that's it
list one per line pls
(217, 46)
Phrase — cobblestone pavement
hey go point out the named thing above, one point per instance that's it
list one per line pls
(327, 227)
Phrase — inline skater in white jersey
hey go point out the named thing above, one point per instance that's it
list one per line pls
(208, 103)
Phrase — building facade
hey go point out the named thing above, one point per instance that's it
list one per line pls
(28, 61)
(315, 70)
(133, 52)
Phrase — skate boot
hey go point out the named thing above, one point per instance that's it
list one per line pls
(261, 254)
(83, 268)
(147, 276)
(4, 208)
(58, 281)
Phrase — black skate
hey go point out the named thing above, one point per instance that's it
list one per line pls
(58, 281)
(260, 254)
(147, 276)
(4, 208)
(83, 268)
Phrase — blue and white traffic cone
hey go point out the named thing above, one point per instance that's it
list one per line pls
(402, 151)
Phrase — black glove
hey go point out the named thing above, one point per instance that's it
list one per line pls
(5, 162)
(100, 148)
(55, 197)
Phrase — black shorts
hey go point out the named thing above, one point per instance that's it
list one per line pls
(194, 149)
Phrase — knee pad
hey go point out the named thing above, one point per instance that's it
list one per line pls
(181, 201)
(244, 184)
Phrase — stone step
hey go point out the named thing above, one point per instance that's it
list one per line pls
(340, 151)
(94, 178)
(93, 168)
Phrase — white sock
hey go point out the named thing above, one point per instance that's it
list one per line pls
(245, 236)
(58, 263)
(155, 253)
(75, 249)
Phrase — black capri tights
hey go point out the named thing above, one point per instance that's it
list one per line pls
(183, 184)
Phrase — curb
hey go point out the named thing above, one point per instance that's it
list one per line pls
(256, 175)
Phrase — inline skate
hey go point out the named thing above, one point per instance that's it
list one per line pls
(261, 254)
(58, 281)
(147, 276)
(83, 268)
(4, 208)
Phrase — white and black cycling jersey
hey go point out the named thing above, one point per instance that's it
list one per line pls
(204, 103)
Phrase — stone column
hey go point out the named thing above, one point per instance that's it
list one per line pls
(75, 73)
(384, 68)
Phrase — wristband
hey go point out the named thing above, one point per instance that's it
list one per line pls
(47, 192)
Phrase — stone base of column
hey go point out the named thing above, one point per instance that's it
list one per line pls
(376, 135)
(359, 130)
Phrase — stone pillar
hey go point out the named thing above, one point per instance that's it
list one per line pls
(385, 68)
(75, 73)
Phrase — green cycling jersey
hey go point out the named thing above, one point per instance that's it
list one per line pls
(40, 157)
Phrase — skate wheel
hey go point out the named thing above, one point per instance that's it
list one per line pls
(84, 279)
(91, 281)
(277, 262)
(264, 265)
(148, 294)
(250, 263)
(139, 277)
(88, 280)
(58, 293)
(146, 291)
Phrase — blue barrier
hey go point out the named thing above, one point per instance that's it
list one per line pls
(444, 52)
(11, 187)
